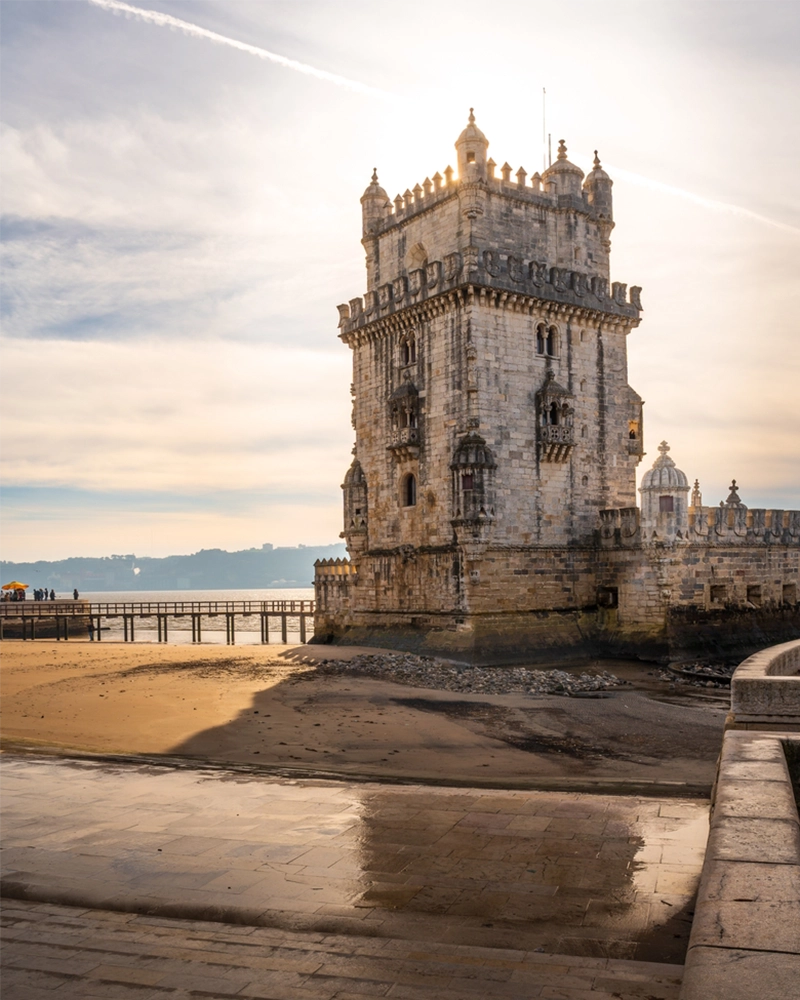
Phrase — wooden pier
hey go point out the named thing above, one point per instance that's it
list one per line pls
(65, 617)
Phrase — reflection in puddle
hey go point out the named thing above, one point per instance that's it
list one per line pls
(571, 873)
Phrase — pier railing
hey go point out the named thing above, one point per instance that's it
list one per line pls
(82, 609)
(66, 616)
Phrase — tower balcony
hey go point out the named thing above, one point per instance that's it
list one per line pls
(636, 447)
(556, 442)
(405, 442)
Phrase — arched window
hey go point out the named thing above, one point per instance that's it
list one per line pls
(583, 431)
(540, 335)
(467, 481)
(409, 493)
(585, 481)
(408, 350)
(552, 342)
(554, 413)
(583, 385)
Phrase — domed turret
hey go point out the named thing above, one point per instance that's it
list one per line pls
(664, 493)
(598, 190)
(375, 204)
(565, 177)
(471, 147)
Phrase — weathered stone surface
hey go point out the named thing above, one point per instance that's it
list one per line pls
(733, 838)
(754, 799)
(772, 925)
(743, 881)
(731, 974)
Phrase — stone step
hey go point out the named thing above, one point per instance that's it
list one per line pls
(65, 952)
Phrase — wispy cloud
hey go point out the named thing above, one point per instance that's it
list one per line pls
(167, 21)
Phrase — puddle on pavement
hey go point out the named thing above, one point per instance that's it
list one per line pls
(572, 873)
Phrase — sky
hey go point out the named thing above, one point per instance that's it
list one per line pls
(180, 217)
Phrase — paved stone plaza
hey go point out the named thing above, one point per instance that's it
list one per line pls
(333, 889)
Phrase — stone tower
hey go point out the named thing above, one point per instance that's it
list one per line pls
(491, 406)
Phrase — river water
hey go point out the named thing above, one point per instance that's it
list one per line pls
(248, 631)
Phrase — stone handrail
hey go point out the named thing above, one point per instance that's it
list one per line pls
(745, 939)
(765, 689)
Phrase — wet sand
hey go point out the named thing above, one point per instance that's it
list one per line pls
(267, 707)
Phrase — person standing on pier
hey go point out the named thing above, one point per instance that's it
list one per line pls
(75, 594)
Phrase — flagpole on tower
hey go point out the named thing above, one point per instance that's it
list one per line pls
(544, 128)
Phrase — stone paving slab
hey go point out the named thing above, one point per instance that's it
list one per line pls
(66, 953)
(574, 873)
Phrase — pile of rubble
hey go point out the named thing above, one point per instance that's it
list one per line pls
(425, 672)
(698, 675)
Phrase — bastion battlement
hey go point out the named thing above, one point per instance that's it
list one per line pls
(703, 525)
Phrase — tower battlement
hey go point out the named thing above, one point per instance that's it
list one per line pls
(561, 218)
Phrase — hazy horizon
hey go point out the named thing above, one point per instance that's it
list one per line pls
(181, 217)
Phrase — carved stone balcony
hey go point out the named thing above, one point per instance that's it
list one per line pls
(636, 446)
(405, 442)
(556, 442)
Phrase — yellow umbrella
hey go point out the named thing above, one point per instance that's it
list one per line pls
(14, 585)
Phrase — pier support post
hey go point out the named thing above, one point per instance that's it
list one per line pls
(302, 627)
(284, 628)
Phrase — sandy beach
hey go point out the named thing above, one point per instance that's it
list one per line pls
(268, 706)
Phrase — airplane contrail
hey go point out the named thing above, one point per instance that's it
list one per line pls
(167, 21)
(698, 199)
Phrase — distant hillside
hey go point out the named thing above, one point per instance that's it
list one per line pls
(209, 569)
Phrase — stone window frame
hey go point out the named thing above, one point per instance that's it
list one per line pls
(408, 491)
(408, 349)
(547, 340)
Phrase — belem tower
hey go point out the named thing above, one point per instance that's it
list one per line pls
(490, 512)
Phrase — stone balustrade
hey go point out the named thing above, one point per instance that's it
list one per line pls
(765, 690)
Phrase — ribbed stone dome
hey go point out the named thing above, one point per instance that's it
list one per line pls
(472, 133)
(664, 474)
(374, 190)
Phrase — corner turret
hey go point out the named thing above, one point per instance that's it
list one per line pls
(664, 492)
(563, 177)
(375, 205)
(471, 147)
(598, 191)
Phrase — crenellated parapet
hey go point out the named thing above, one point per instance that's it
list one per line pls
(334, 568)
(620, 527)
(623, 527)
(558, 188)
(725, 525)
(491, 269)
